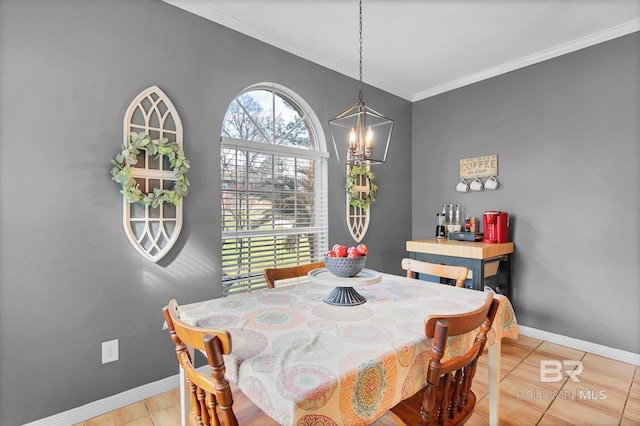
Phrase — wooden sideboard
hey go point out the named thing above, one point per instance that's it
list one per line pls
(489, 264)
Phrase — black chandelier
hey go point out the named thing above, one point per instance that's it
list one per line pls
(359, 133)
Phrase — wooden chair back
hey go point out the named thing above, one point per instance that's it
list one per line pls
(271, 275)
(447, 398)
(210, 394)
(458, 273)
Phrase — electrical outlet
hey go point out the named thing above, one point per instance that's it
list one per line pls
(109, 351)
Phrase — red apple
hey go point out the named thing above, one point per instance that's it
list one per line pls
(339, 250)
(363, 249)
(353, 254)
(330, 254)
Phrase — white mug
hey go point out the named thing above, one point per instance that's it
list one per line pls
(491, 183)
(462, 186)
(476, 185)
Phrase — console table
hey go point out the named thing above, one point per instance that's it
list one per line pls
(489, 264)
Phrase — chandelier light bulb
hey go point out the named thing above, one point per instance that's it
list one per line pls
(352, 138)
(369, 140)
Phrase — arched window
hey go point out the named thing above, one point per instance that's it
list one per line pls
(274, 186)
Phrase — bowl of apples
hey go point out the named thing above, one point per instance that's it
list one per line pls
(346, 262)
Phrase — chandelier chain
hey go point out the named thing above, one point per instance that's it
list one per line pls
(360, 92)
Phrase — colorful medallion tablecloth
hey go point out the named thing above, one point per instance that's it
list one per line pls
(305, 362)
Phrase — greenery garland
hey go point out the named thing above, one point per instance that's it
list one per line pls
(128, 157)
(361, 199)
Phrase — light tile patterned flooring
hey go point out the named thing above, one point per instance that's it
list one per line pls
(608, 392)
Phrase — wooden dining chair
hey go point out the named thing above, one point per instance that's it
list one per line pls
(458, 273)
(447, 398)
(211, 394)
(271, 275)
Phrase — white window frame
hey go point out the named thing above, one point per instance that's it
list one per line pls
(253, 279)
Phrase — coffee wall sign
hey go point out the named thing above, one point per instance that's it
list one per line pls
(478, 167)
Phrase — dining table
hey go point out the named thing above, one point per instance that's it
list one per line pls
(306, 361)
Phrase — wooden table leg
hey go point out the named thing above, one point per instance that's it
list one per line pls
(494, 382)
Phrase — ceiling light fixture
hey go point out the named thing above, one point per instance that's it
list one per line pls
(359, 129)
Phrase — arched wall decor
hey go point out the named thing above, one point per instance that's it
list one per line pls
(152, 230)
(358, 216)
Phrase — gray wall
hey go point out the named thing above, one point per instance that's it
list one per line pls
(568, 143)
(69, 279)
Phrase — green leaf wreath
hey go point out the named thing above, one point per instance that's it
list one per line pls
(358, 199)
(128, 157)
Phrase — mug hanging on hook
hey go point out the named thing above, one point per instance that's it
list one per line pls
(462, 186)
(491, 183)
(476, 185)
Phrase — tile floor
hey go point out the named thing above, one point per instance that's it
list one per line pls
(608, 392)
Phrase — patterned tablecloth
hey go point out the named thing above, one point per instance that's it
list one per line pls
(305, 362)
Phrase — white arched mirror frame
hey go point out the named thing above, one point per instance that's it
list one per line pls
(152, 230)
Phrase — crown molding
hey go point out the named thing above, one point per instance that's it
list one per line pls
(559, 50)
(206, 8)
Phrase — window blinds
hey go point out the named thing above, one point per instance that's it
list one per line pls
(274, 210)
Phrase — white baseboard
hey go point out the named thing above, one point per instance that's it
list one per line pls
(96, 408)
(102, 406)
(583, 345)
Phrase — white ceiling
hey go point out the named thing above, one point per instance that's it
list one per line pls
(416, 49)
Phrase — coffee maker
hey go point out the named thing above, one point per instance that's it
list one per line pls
(495, 227)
